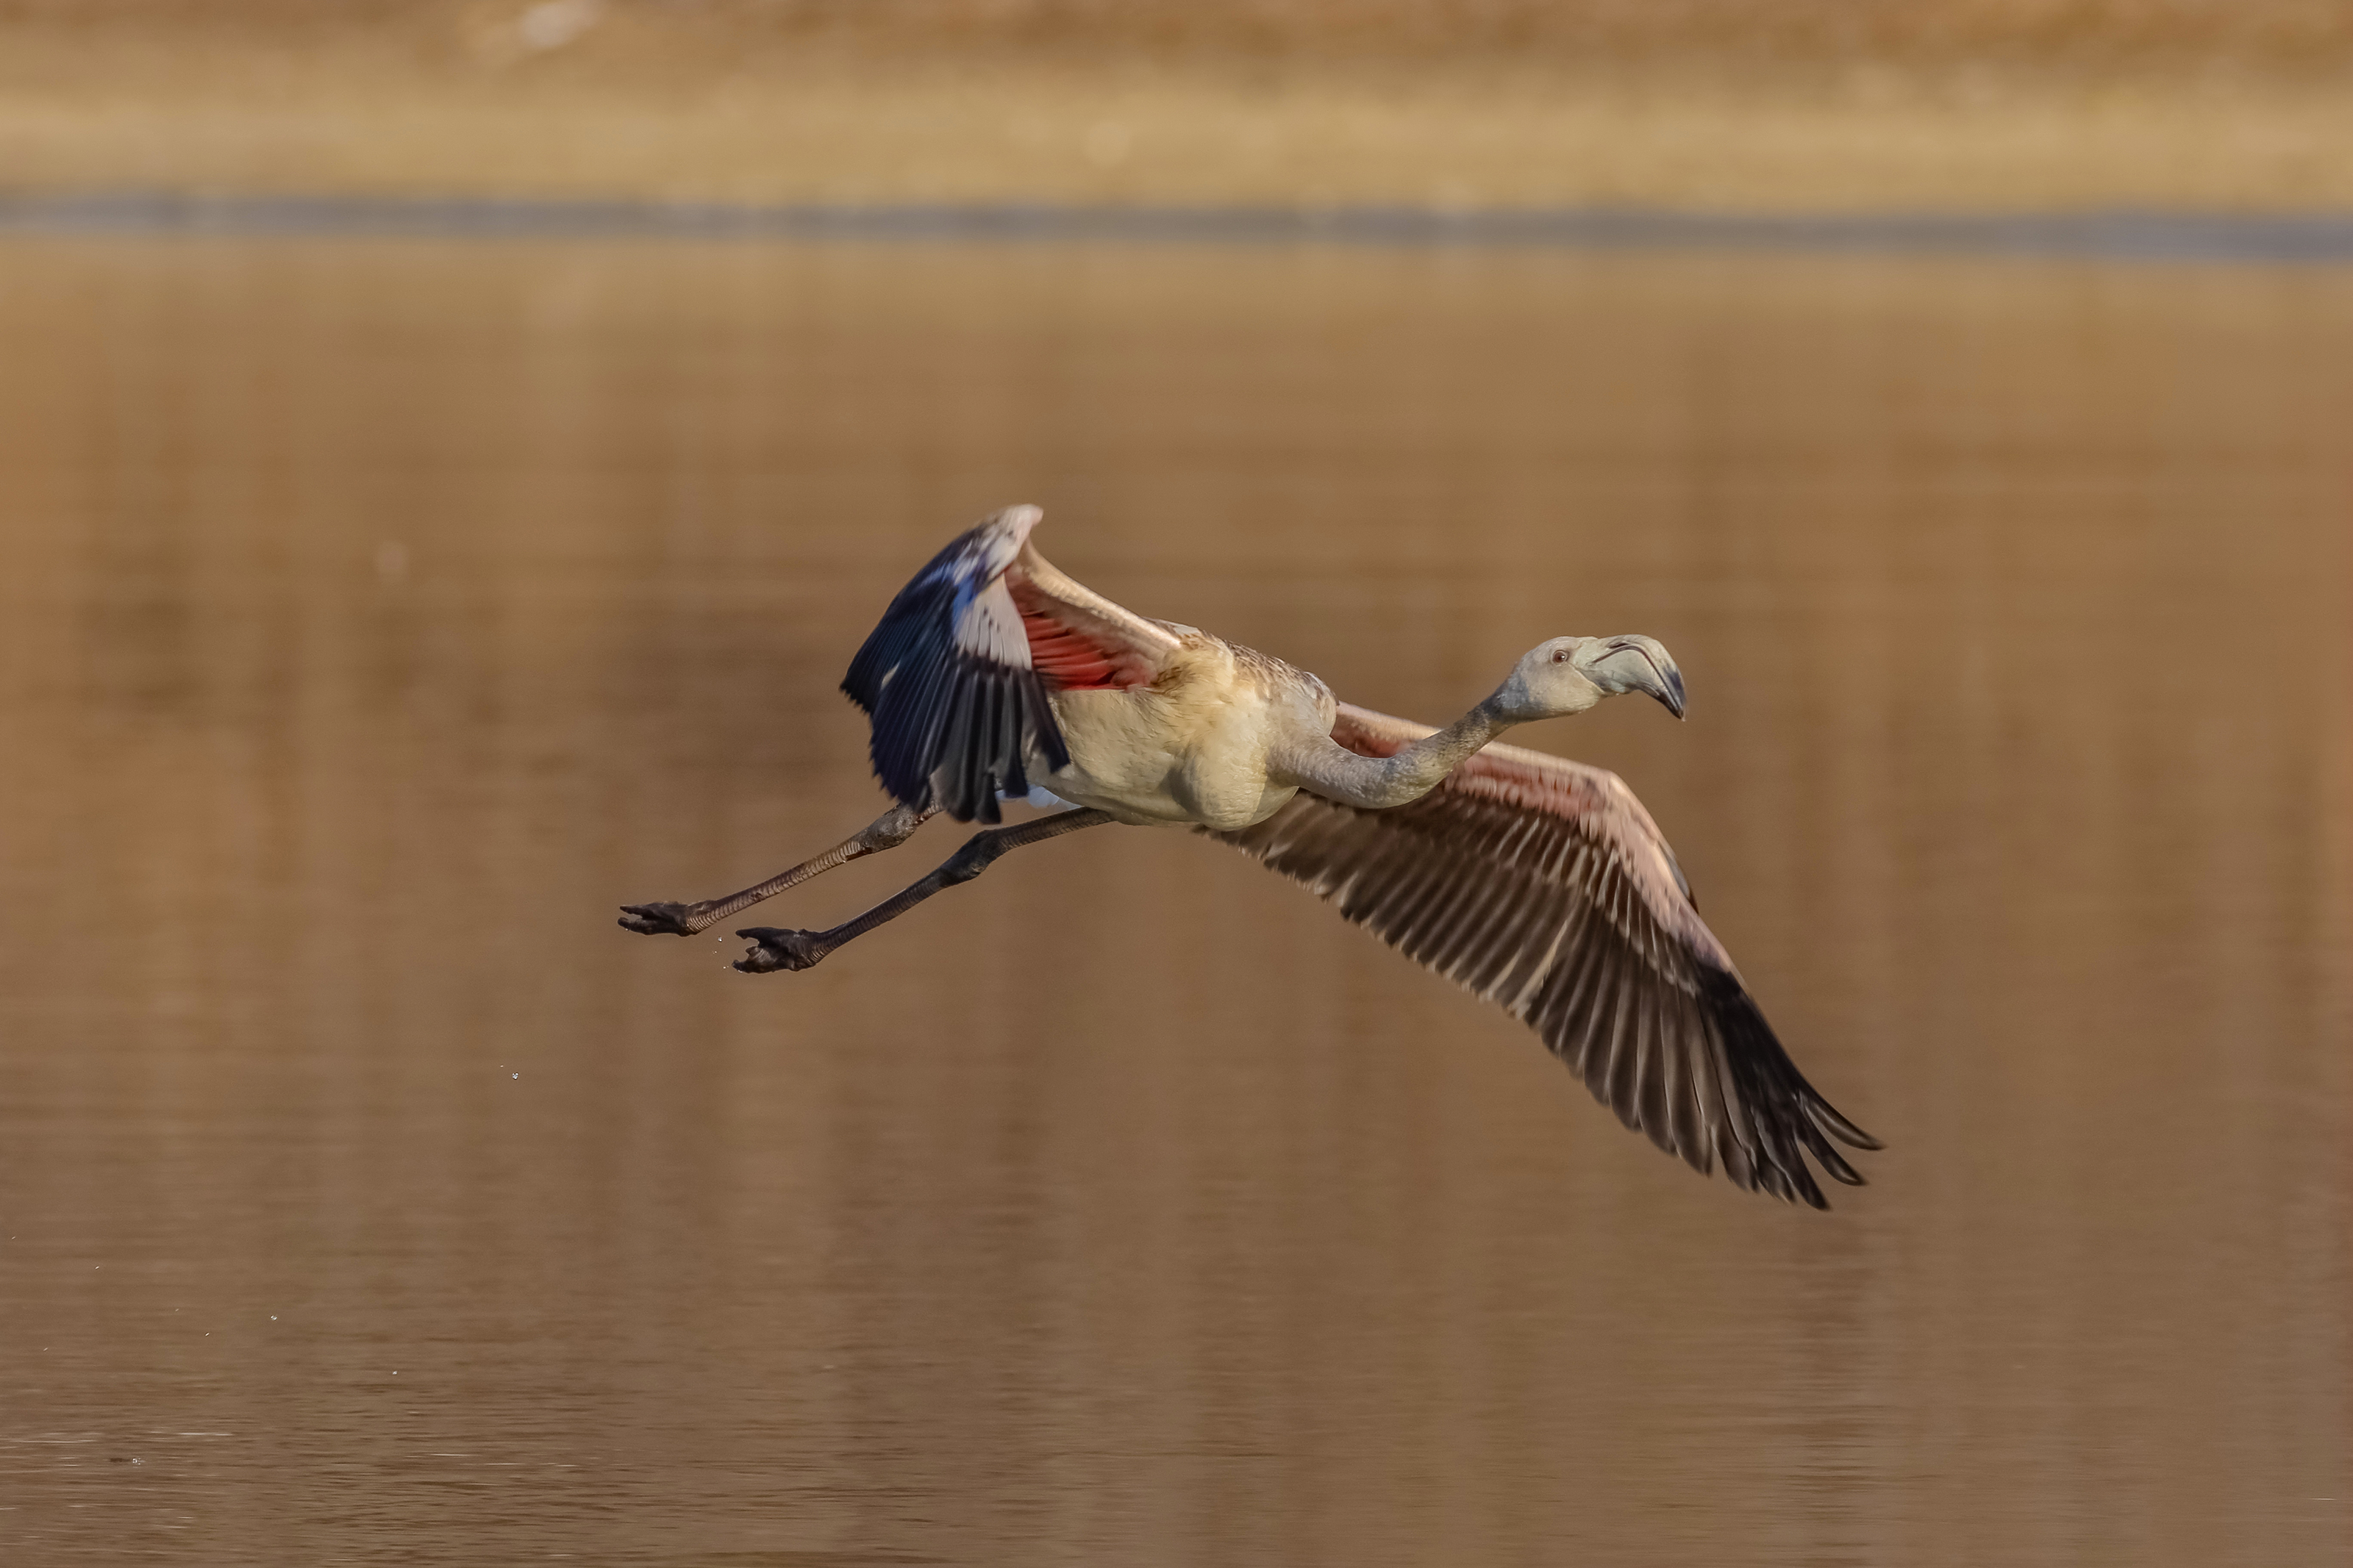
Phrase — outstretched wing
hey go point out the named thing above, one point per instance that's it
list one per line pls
(954, 677)
(1542, 886)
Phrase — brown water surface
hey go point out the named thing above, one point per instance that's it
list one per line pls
(377, 616)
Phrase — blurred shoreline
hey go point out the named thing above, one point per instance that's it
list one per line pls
(900, 104)
(2112, 235)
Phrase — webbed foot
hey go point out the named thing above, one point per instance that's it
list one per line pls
(773, 948)
(657, 920)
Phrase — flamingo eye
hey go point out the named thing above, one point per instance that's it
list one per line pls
(1560, 655)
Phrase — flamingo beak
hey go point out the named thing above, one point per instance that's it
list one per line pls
(1652, 670)
(1670, 691)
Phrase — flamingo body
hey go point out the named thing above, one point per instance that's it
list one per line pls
(992, 674)
(1192, 748)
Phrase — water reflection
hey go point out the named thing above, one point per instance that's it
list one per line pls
(382, 614)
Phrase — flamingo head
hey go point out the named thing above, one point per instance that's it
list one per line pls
(1569, 675)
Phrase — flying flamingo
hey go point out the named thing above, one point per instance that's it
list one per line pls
(1539, 884)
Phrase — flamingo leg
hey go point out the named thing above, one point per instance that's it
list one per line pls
(888, 831)
(773, 949)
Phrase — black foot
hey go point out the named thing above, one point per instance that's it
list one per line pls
(657, 920)
(773, 948)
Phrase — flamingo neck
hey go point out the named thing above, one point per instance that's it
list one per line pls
(1406, 773)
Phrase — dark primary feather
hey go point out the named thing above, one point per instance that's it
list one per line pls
(951, 727)
(1523, 884)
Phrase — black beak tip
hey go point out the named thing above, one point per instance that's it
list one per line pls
(1673, 699)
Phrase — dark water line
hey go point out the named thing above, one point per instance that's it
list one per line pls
(2119, 234)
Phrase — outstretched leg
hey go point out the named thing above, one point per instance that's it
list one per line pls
(888, 831)
(772, 949)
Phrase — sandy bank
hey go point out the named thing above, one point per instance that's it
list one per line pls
(579, 98)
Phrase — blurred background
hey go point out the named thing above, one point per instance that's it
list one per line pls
(1740, 104)
(382, 609)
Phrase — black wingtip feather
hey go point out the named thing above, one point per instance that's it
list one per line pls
(951, 730)
(1787, 1115)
